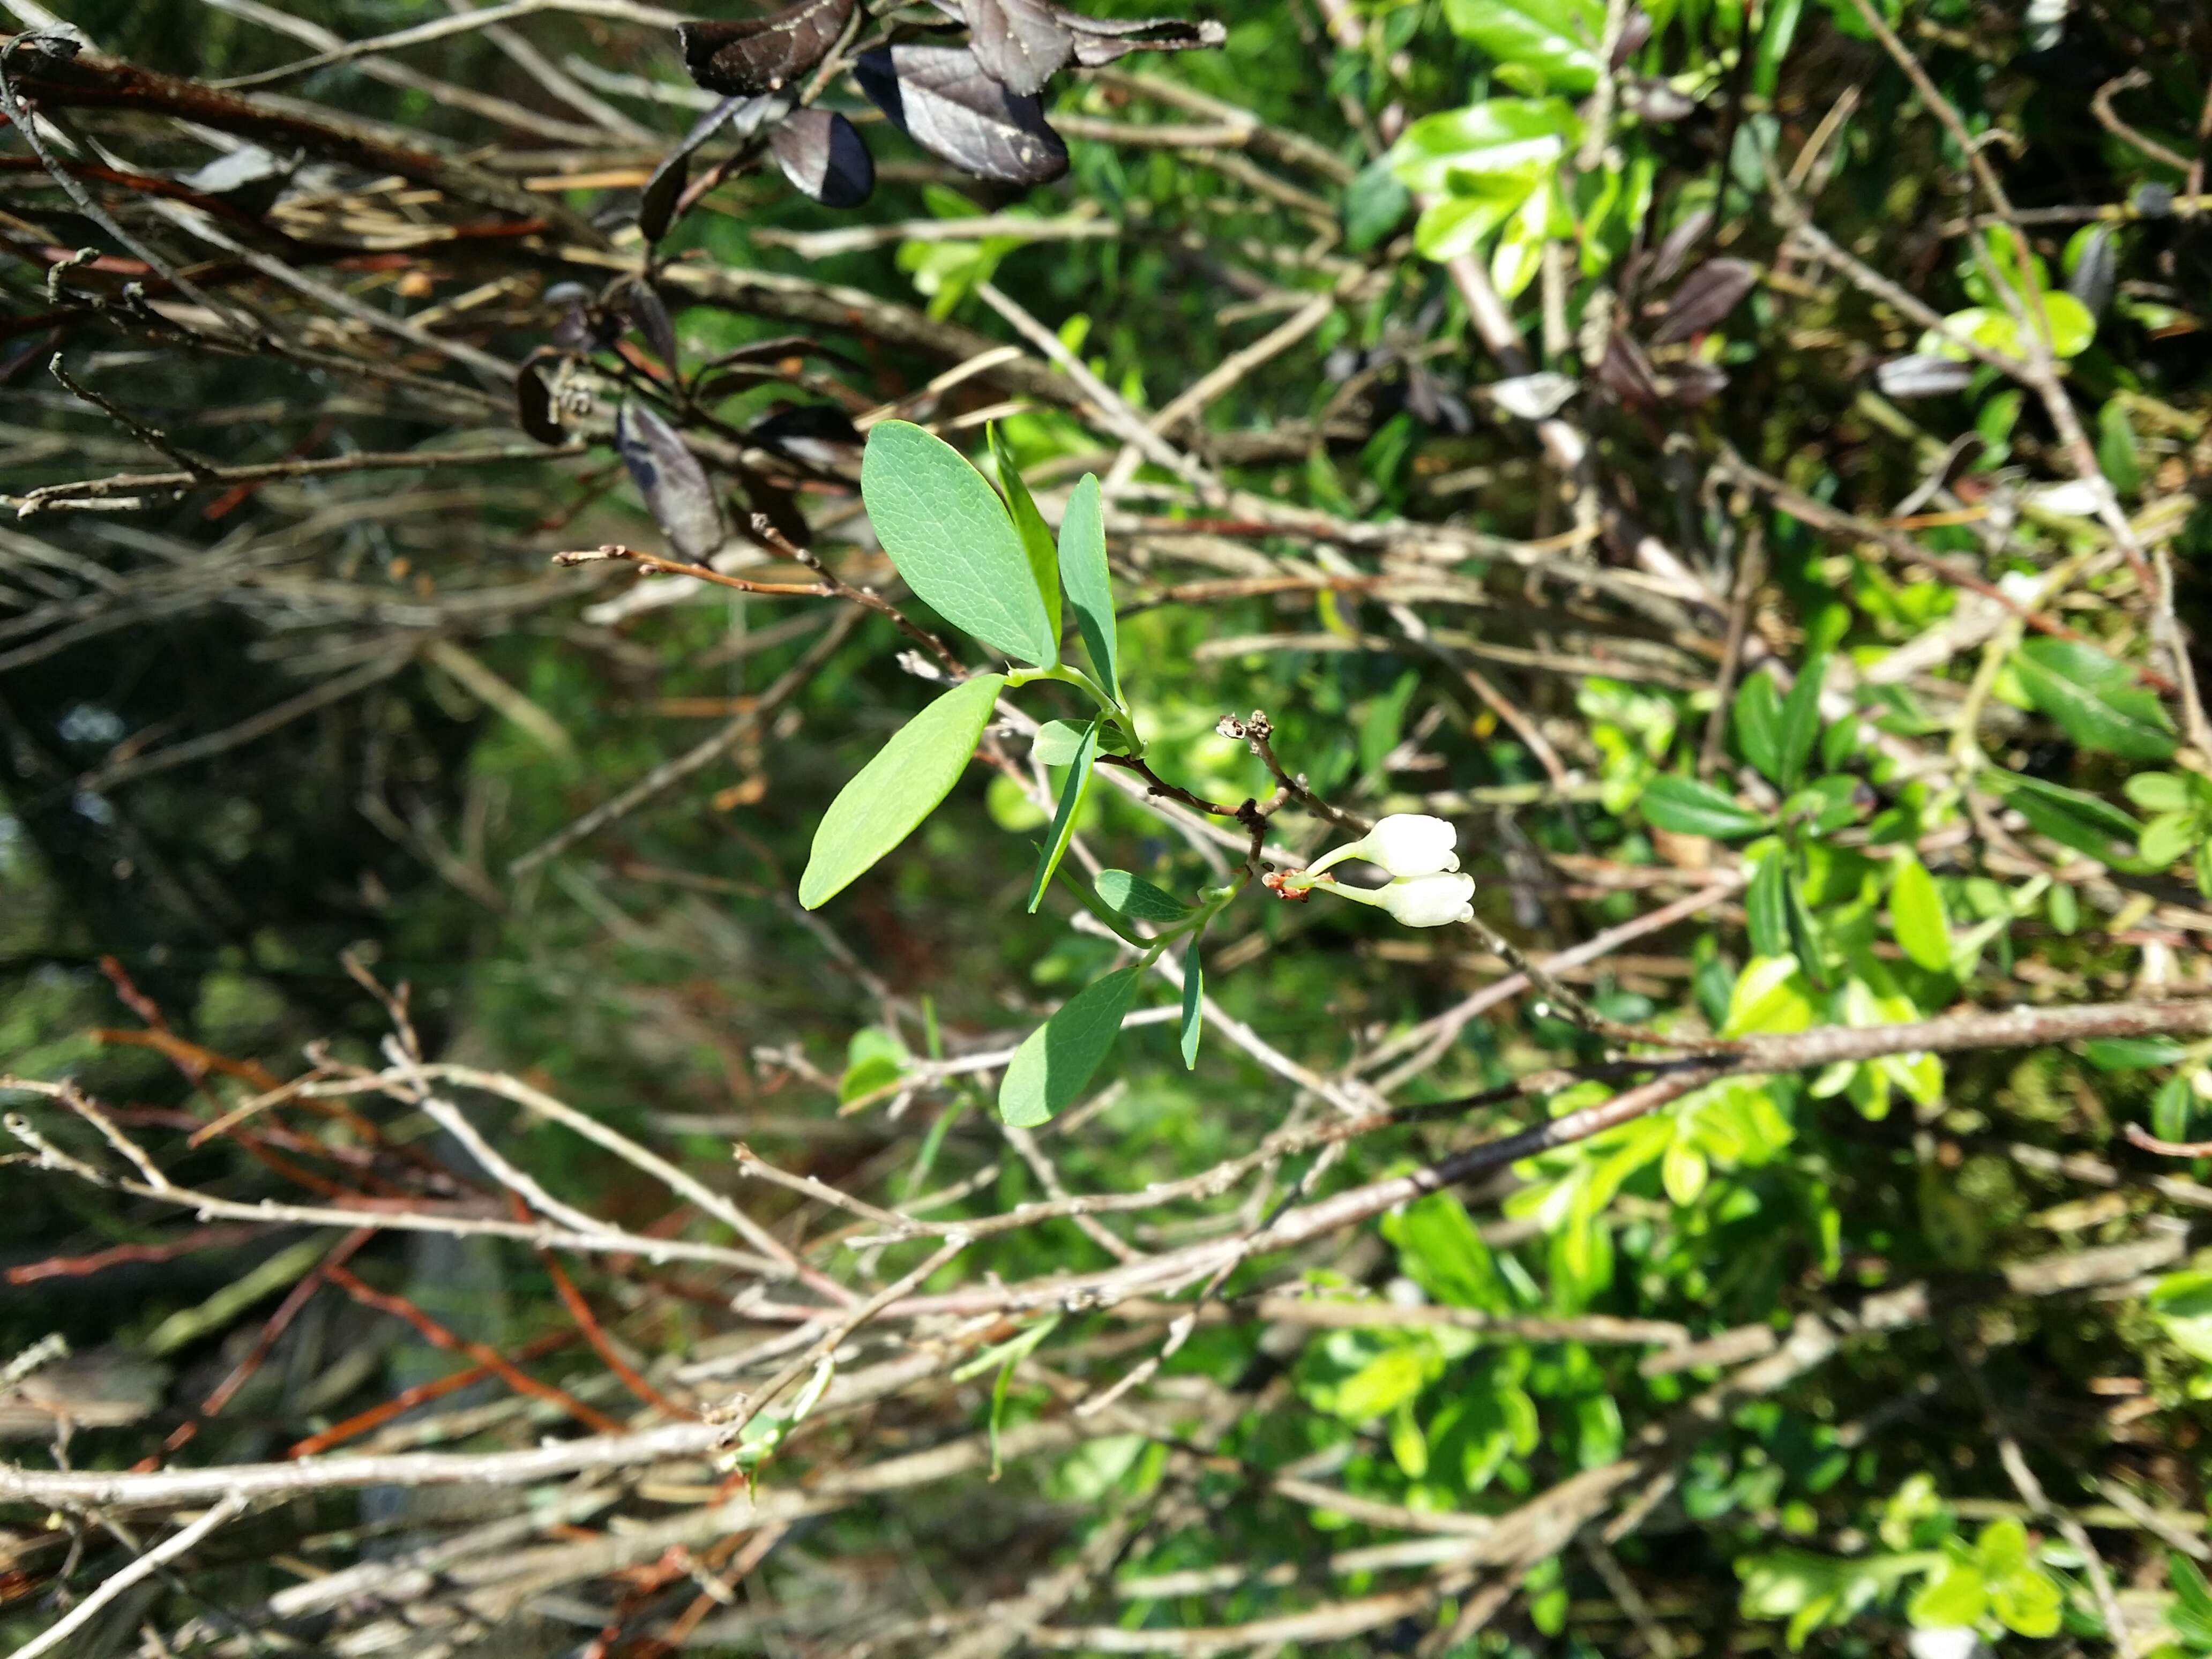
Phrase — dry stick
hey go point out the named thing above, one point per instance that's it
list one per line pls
(443, 93)
(679, 1181)
(1108, 404)
(1448, 1023)
(826, 1348)
(2038, 1503)
(250, 729)
(467, 22)
(2071, 1272)
(145, 1566)
(1747, 591)
(157, 440)
(2150, 1142)
(48, 497)
(2041, 373)
(1238, 364)
(701, 755)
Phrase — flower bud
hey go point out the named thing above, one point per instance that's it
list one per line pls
(1428, 901)
(1406, 844)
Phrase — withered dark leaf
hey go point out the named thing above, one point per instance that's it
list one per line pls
(1634, 32)
(751, 55)
(1690, 383)
(651, 315)
(2096, 273)
(1654, 100)
(1102, 39)
(1625, 372)
(822, 154)
(669, 476)
(1667, 257)
(656, 210)
(818, 434)
(579, 326)
(787, 345)
(533, 405)
(941, 98)
(1706, 295)
(1919, 376)
(1023, 43)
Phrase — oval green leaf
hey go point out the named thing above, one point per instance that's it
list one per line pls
(1558, 38)
(1137, 899)
(1800, 725)
(1498, 135)
(1686, 807)
(1916, 916)
(2094, 699)
(1063, 820)
(1759, 726)
(2069, 817)
(1194, 1005)
(949, 534)
(1090, 586)
(1060, 1056)
(896, 790)
(1029, 525)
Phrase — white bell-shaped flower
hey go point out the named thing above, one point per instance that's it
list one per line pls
(1428, 901)
(1406, 844)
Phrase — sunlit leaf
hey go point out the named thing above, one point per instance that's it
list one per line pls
(1056, 1061)
(896, 790)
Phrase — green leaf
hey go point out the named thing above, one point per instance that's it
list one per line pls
(1374, 202)
(1953, 1602)
(1770, 997)
(1441, 1249)
(1028, 523)
(2072, 328)
(1682, 1172)
(2182, 1304)
(2171, 1108)
(2027, 1601)
(2118, 453)
(2069, 817)
(2094, 699)
(1799, 727)
(1058, 1059)
(1072, 791)
(950, 535)
(2165, 838)
(1193, 991)
(1765, 905)
(1686, 807)
(1135, 899)
(2133, 1053)
(1774, 45)
(1758, 725)
(2159, 792)
(1498, 135)
(1007, 1356)
(1804, 932)
(896, 790)
(1090, 586)
(1461, 222)
(1917, 916)
(2191, 1613)
(1556, 38)
(1056, 741)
